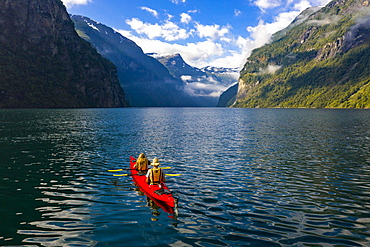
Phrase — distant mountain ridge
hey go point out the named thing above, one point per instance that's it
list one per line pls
(321, 60)
(145, 80)
(206, 83)
(44, 63)
(177, 66)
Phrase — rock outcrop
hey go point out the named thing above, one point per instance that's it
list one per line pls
(44, 63)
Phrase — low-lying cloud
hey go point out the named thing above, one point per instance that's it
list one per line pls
(206, 86)
(334, 19)
(200, 89)
(270, 69)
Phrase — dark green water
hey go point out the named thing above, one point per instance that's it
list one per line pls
(250, 177)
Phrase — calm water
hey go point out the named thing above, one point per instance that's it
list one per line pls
(250, 177)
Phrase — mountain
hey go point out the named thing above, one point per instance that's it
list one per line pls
(44, 63)
(228, 97)
(177, 66)
(144, 79)
(321, 60)
(205, 83)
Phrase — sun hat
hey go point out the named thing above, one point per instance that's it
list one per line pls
(155, 162)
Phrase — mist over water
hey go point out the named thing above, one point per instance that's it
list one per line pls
(258, 177)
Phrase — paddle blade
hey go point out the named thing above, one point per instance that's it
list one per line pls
(120, 175)
(118, 170)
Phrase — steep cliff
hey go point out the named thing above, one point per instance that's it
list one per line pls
(228, 97)
(145, 80)
(321, 60)
(44, 63)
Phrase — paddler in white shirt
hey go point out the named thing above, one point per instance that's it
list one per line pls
(155, 175)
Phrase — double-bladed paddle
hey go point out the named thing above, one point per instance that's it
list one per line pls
(128, 169)
(121, 175)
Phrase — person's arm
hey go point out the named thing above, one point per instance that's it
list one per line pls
(163, 177)
(148, 176)
(137, 164)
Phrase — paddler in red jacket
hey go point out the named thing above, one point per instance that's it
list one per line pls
(155, 175)
(142, 163)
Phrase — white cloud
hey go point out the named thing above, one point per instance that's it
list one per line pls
(267, 4)
(212, 31)
(261, 33)
(199, 54)
(185, 18)
(234, 60)
(70, 3)
(169, 31)
(237, 12)
(302, 5)
(169, 17)
(288, 5)
(178, 1)
(319, 2)
(186, 78)
(152, 11)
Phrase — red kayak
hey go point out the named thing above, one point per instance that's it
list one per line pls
(162, 196)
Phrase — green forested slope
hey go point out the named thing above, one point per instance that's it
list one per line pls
(320, 61)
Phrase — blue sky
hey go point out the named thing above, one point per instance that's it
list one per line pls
(205, 32)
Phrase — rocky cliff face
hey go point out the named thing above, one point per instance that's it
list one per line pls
(44, 63)
(320, 60)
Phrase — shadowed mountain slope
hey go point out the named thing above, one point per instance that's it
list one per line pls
(44, 63)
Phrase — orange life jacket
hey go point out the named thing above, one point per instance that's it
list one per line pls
(156, 175)
(142, 164)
